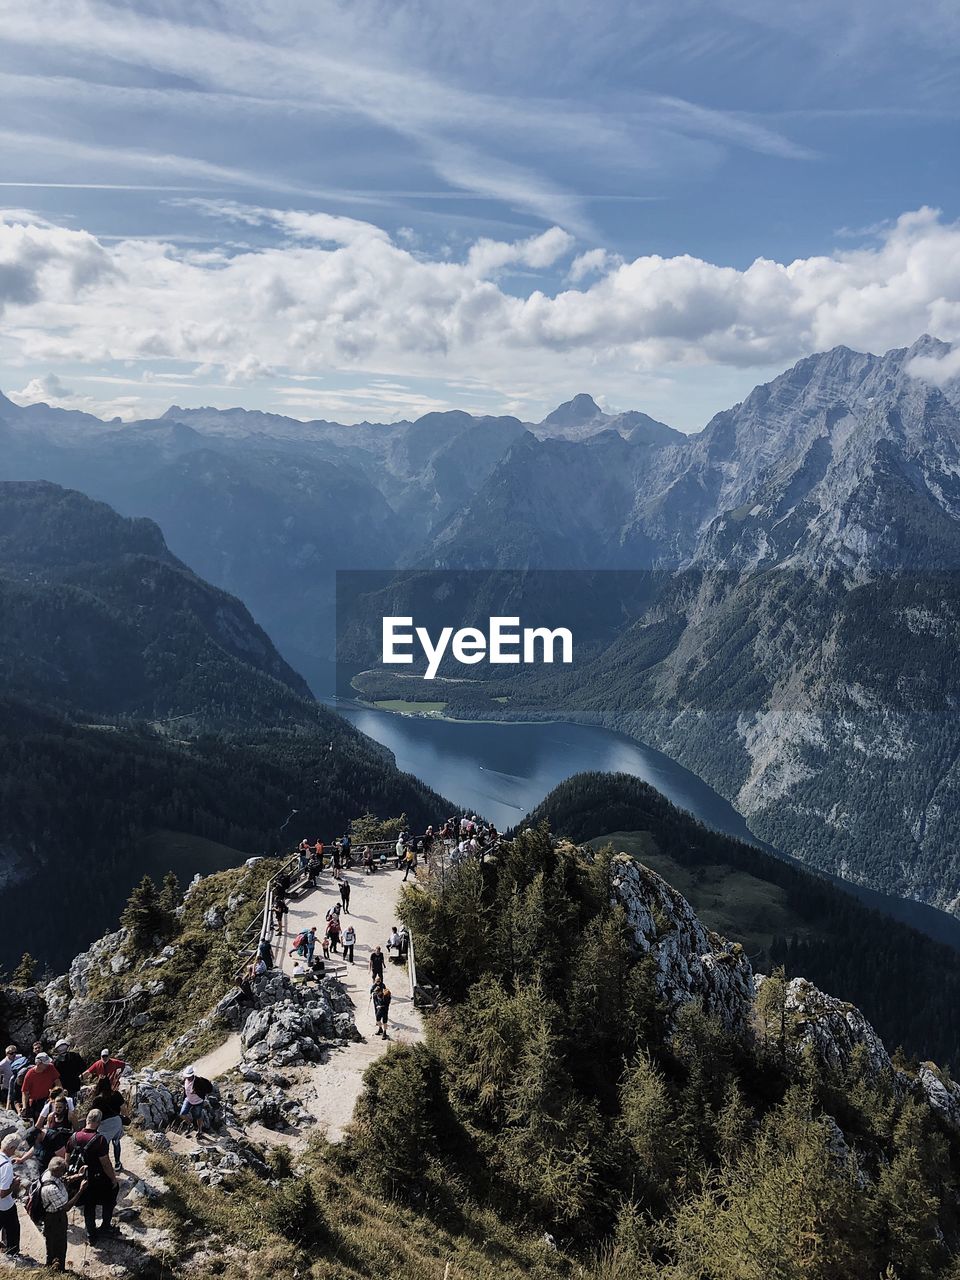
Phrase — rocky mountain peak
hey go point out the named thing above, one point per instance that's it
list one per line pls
(574, 413)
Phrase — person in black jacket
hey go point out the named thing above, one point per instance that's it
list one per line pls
(70, 1065)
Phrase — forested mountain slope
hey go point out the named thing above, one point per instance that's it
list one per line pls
(906, 983)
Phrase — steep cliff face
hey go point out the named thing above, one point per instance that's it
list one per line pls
(690, 963)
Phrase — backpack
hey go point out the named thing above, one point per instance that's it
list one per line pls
(34, 1204)
(300, 939)
(202, 1087)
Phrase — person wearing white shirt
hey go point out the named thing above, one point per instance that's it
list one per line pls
(9, 1186)
(8, 1072)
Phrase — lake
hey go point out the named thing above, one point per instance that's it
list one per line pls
(502, 770)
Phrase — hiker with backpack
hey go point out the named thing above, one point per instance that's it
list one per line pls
(101, 1186)
(301, 944)
(46, 1143)
(48, 1204)
(196, 1090)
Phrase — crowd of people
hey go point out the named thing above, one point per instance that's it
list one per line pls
(70, 1156)
(69, 1140)
(313, 949)
(72, 1112)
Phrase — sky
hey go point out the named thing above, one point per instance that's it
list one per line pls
(373, 209)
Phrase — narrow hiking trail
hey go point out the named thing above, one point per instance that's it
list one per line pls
(336, 1083)
(330, 1089)
(118, 1257)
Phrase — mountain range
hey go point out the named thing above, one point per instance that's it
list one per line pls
(796, 649)
(147, 723)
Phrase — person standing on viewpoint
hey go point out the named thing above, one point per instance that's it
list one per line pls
(345, 894)
(56, 1200)
(349, 942)
(381, 1006)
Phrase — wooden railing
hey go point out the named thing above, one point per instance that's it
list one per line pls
(264, 922)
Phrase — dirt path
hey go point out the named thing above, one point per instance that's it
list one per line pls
(335, 1084)
(219, 1061)
(330, 1089)
(119, 1256)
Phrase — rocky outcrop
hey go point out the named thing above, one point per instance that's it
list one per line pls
(292, 1023)
(263, 1098)
(833, 1028)
(155, 1097)
(690, 963)
(940, 1092)
(21, 1016)
(96, 959)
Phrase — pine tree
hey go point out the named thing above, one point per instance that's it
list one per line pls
(734, 1123)
(171, 895)
(786, 1210)
(646, 1116)
(770, 1007)
(906, 1208)
(392, 1133)
(25, 972)
(143, 916)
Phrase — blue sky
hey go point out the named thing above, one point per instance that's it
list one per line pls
(161, 163)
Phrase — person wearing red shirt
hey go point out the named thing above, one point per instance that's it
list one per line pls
(106, 1066)
(37, 1083)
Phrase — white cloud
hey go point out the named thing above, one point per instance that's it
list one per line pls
(594, 261)
(340, 296)
(48, 388)
(385, 67)
(938, 370)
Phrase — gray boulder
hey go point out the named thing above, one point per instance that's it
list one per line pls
(832, 1028)
(941, 1093)
(156, 1097)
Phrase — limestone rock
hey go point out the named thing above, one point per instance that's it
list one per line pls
(56, 998)
(942, 1094)
(94, 960)
(690, 963)
(213, 918)
(157, 1097)
(833, 1028)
